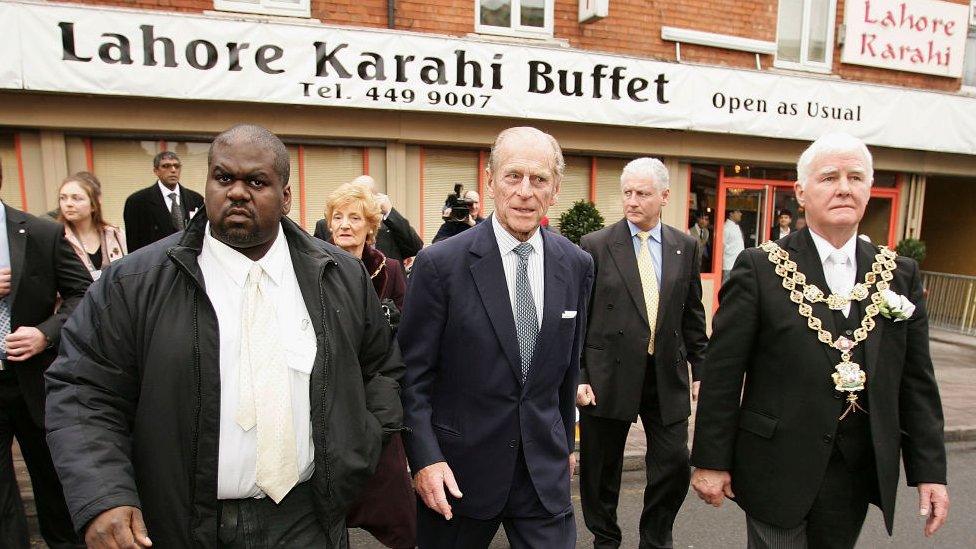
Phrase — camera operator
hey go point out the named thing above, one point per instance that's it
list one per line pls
(460, 215)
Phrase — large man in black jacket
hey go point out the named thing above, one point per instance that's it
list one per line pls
(36, 265)
(242, 359)
(162, 208)
(818, 374)
(641, 335)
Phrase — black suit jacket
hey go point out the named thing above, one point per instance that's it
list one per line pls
(42, 266)
(147, 218)
(396, 238)
(615, 355)
(463, 397)
(777, 442)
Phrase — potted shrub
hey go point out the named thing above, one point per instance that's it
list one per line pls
(579, 220)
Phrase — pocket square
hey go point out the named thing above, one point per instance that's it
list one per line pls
(569, 314)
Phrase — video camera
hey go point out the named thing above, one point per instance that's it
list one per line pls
(458, 208)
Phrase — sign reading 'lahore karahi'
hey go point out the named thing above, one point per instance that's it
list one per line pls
(922, 36)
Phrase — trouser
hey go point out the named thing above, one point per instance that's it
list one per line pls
(527, 523)
(834, 521)
(667, 471)
(260, 522)
(52, 513)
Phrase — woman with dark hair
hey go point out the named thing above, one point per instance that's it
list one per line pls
(387, 508)
(96, 242)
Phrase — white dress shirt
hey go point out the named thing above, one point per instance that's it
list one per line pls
(839, 265)
(732, 244)
(536, 268)
(166, 192)
(224, 273)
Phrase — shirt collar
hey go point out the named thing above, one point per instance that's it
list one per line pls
(655, 230)
(824, 248)
(237, 265)
(165, 190)
(507, 242)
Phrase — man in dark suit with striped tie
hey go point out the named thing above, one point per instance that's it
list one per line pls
(161, 209)
(491, 337)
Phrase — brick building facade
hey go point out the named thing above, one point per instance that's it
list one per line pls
(49, 132)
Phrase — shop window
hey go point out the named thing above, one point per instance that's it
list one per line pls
(442, 169)
(527, 18)
(609, 200)
(969, 62)
(10, 192)
(805, 34)
(574, 186)
(291, 8)
(326, 168)
(702, 207)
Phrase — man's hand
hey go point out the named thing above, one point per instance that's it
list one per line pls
(4, 282)
(24, 343)
(712, 486)
(585, 395)
(430, 482)
(118, 528)
(384, 202)
(572, 465)
(933, 502)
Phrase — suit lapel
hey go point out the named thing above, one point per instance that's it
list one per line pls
(489, 278)
(670, 265)
(621, 248)
(804, 252)
(553, 303)
(17, 244)
(865, 257)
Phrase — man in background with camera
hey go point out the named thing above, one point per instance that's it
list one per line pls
(460, 214)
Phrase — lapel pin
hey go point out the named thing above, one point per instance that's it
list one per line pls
(678, 252)
(22, 231)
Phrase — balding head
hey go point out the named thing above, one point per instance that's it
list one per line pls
(523, 134)
(259, 136)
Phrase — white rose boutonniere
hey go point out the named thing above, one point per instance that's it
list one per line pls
(896, 307)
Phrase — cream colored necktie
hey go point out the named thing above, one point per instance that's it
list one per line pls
(838, 277)
(649, 285)
(265, 391)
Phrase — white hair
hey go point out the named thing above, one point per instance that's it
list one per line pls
(647, 168)
(833, 143)
(558, 164)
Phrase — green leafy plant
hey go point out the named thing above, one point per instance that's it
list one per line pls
(579, 220)
(913, 248)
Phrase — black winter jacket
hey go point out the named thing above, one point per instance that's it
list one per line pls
(133, 400)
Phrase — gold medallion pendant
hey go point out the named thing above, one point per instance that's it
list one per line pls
(848, 377)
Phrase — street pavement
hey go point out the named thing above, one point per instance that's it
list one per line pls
(954, 357)
(700, 526)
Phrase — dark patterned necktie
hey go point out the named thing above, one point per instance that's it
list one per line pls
(176, 213)
(4, 326)
(526, 317)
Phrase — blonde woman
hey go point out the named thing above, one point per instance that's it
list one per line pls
(96, 242)
(387, 508)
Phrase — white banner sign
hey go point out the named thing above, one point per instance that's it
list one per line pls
(196, 57)
(925, 36)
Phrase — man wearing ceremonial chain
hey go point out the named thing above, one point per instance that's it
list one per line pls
(818, 374)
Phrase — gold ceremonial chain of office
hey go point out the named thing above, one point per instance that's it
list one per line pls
(849, 377)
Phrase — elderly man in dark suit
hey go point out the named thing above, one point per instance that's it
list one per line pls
(36, 265)
(395, 237)
(818, 374)
(491, 338)
(646, 324)
(161, 209)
